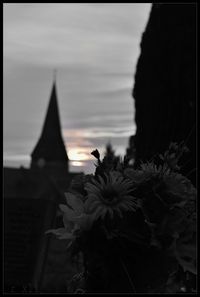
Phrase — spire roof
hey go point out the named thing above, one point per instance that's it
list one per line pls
(50, 146)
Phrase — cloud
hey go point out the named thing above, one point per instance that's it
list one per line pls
(61, 33)
(94, 47)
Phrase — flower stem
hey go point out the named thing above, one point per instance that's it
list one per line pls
(128, 275)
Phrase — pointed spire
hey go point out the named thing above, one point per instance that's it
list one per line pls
(54, 75)
(50, 147)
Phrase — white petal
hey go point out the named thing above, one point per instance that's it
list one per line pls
(97, 213)
(126, 184)
(58, 231)
(68, 224)
(88, 203)
(124, 206)
(75, 202)
(110, 210)
(85, 221)
(95, 182)
(131, 206)
(118, 211)
(129, 197)
(94, 206)
(69, 213)
(120, 179)
(91, 188)
(101, 180)
(66, 236)
(115, 174)
(111, 178)
(64, 208)
(103, 212)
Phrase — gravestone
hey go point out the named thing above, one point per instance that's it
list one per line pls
(25, 242)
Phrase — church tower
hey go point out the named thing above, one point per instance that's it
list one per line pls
(49, 152)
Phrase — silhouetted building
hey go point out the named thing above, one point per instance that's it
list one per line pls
(31, 197)
(165, 83)
(50, 152)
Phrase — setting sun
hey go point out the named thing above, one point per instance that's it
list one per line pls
(77, 163)
(78, 154)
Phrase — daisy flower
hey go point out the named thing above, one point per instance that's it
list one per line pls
(148, 171)
(109, 196)
(173, 188)
(178, 190)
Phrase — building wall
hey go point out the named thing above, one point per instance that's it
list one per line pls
(165, 83)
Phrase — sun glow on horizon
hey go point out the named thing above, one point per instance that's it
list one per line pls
(77, 163)
(78, 154)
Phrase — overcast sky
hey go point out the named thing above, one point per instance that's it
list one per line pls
(94, 48)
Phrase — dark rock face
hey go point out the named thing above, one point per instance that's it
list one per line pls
(165, 83)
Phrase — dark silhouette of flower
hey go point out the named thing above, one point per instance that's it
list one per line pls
(157, 210)
(110, 196)
(96, 154)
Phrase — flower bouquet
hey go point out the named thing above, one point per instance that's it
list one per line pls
(134, 227)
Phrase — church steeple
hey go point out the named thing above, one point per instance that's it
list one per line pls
(50, 149)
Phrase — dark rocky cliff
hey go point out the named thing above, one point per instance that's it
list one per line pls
(165, 83)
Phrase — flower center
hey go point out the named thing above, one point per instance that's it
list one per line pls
(109, 195)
